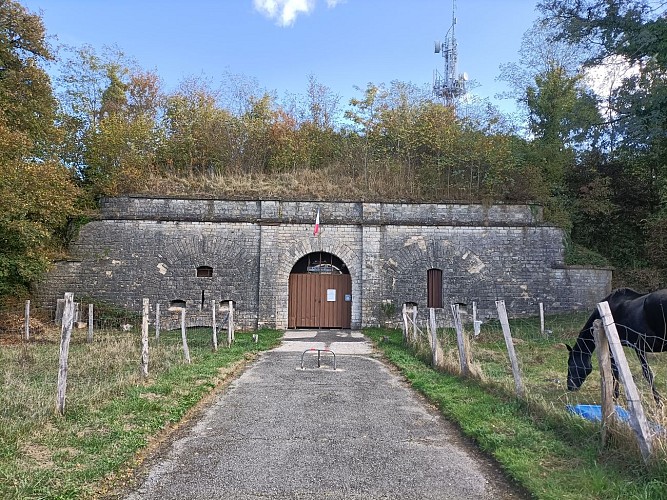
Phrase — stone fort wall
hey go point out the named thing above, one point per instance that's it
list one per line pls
(151, 247)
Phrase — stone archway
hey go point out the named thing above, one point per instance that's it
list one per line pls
(320, 292)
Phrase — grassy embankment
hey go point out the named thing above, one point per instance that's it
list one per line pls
(111, 414)
(551, 453)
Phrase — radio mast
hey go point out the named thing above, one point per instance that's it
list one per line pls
(449, 86)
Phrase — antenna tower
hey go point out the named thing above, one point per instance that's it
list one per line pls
(448, 86)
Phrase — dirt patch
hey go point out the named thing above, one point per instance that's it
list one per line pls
(150, 396)
(39, 454)
(12, 330)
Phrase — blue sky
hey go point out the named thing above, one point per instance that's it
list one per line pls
(342, 43)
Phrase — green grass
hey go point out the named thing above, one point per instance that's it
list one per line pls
(111, 413)
(549, 452)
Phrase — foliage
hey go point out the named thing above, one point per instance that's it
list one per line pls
(631, 31)
(616, 189)
(577, 255)
(35, 200)
(109, 109)
(388, 309)
(36, 192)
(110, 315)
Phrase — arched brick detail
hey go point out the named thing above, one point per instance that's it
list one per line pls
(408, 271)
(197, 250)
(142, 247)
(302, 248)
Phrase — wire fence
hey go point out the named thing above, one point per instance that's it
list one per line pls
(526, 357)
(529, 358)
(85, 353)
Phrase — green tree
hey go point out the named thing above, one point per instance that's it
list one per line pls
(36, 192)
(109, 110)
(631, 33)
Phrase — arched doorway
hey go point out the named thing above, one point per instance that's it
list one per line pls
(320, 292)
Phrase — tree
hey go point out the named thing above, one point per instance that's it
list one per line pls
(633, 169)
(27, 103)
(632, 31)
(538, 54)
(36, 192)
(366, 115)
(201, 137)
(109, 110)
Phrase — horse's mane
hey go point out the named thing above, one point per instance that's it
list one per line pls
(623, 293)
(585, 341)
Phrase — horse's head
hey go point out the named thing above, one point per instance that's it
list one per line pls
(579, 367)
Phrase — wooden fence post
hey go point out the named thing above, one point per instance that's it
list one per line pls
(460, 340)
(65, 335)
(606, 379)
(186, 351)
(90, 323)
(434, 336)
(415, 334)
(157, 321)
(542, 319)
(637, 418)
(476, 324)
(230, 324)
(26, 323)
(405, 323)
(214, 325)
(144, 338)
(60, 307)
(233, 319)
(504, 322)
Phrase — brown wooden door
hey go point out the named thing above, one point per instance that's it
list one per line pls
(318, 301)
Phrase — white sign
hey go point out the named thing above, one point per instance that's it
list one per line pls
(331, 295)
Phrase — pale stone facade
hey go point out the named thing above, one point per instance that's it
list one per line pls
(151, 247)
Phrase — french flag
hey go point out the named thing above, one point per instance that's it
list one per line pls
(317, 223)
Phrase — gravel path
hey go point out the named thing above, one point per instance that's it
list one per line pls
(357, 432)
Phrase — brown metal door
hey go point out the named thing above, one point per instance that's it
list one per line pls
(434, 285)
(318, 301)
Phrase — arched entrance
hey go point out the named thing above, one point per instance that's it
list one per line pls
(320, 292)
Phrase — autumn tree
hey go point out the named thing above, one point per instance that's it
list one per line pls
(201, 138)
(365, 115)
(36, 192)
(319, 123)
(110, 110)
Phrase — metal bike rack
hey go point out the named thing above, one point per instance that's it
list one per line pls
(319, 352)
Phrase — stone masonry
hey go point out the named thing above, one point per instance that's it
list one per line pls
(152, 247)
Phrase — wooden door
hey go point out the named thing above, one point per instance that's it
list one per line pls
(319, 301)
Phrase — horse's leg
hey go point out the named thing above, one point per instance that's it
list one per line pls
(614, 372)
(648, 375)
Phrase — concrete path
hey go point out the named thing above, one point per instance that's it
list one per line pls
(357, 432)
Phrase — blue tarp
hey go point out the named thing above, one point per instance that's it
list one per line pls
(594, 412)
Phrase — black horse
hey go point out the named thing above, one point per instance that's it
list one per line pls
(641, 321)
